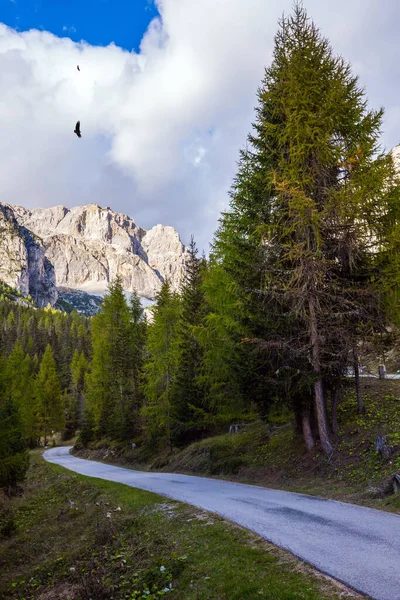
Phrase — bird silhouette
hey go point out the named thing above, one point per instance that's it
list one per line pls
(77, 129)
(77, 66)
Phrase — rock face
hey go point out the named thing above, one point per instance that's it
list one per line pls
(89, 246)
(23, 263)
(82, 302)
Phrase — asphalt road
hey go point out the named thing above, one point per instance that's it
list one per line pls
(358, 546)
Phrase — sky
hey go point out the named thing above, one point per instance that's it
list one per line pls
(165, 96)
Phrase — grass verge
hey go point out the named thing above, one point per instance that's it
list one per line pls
(273, 455)
(73, 538)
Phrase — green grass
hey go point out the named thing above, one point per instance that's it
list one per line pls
(65, 539)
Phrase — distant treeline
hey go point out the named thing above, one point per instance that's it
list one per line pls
(43, 355)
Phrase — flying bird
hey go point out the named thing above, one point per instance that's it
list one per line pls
(77, 66)
(77, 129)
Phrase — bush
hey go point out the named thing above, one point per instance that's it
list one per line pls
(13, 469)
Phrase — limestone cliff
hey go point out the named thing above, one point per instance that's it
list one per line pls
(89, 246)
(23, 262)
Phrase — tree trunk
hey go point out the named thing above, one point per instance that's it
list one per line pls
(307, 431)
(335, 402)
(357, 380)
(298, 413)
(320, 406)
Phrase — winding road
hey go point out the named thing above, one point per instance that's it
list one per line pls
(357, 546)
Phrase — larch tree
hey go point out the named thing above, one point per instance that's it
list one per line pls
(315, 204)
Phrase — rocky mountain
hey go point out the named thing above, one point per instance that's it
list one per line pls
(82, 302)
(24, 265)
(84, 248)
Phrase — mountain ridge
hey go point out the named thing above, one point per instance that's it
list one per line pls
(87, 248)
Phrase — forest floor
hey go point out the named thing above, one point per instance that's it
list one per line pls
(67, 537)
(273, 455)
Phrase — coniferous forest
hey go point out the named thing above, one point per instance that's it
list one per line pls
(304, 267)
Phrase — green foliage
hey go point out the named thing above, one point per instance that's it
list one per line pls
(226, 363)
(19, 381)
(112, 384)
(14, 458)
(74, 400)
(188, 391)
(28, 335)
(313, 217)
(161, 364)
(49, 401)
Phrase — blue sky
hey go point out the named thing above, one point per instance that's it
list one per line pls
(98, 22)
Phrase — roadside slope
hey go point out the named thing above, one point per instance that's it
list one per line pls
(355, 545)
(70, 537)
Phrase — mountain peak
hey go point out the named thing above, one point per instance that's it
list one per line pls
(89, 246)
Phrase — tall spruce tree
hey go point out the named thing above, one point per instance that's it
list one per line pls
(78, 369)
(188, 390)
(161, 365)
(14, 458)
(113, 398)
(138, 340)
(49, 403)
(226, 364)
(313, 208)
(19, 389)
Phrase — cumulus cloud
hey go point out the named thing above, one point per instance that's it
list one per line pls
(162, 127)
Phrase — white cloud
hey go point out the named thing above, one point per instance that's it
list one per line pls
(162, 128)
(69, 29)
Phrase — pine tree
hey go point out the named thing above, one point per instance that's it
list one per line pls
(78, 369)
(98, 401)
(19, 390)
(138, 340)
(161, 364)
(14, 459)
(187, 392)
(113, 398)
(49, 405)
(70, 415)
(225, 361)
(10, 333)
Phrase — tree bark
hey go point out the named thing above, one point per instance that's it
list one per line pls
(320, 406)
(357, 380)
(335, 402)
(298, 413)
(307, 431)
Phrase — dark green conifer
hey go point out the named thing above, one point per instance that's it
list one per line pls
(312, 198)
(49, 403)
